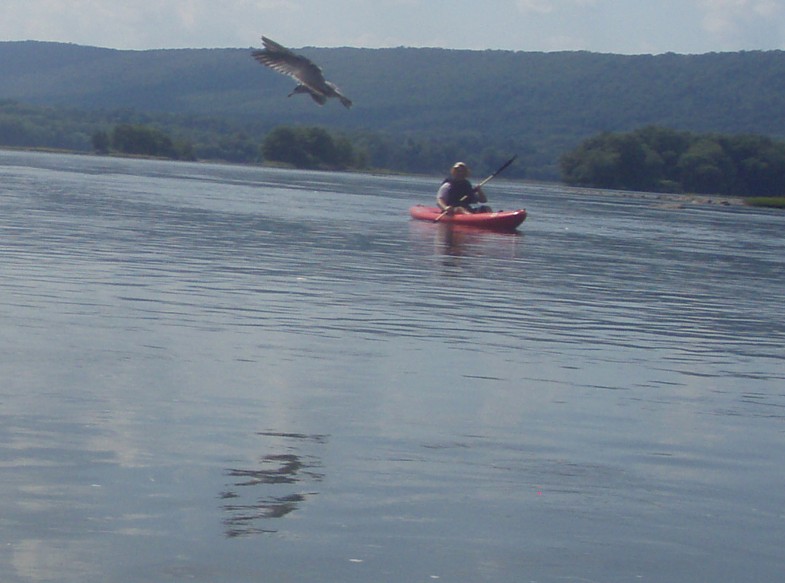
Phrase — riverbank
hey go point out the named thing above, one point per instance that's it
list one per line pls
(674, 201)
(671, 200)
(684, 200)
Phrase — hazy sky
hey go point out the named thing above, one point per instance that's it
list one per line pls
(609, 26)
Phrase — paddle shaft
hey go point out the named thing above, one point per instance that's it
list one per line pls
(502, 167)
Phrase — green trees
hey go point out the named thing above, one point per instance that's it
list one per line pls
(30, 126)
(140, 140)
(309, 147)
(622, 161)
(426, 104)
(611, 160)
(706, 168)
(663, 160)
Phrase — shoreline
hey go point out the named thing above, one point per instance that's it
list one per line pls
(668, 199)
(678, 201)
(662, 200)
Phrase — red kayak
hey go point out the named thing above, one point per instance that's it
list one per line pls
(499, 221)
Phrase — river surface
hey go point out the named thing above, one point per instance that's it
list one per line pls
(231, 374)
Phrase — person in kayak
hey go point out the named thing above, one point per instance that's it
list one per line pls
(457, 195)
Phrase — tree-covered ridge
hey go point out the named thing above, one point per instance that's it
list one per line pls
(663, 160)
(536, 104)
(227, 139)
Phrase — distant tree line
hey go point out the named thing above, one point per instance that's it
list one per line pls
(310, 147)
(190, 136)
(663, 160)
(652, 158)
(316, 147)
(141, 140)
(30, 126)
(535, 104)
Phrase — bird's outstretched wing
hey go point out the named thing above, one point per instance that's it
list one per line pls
(309, 77)
(282, 60)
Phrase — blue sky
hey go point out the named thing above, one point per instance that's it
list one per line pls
(608, 26)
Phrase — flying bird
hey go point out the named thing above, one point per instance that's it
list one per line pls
(308, 76)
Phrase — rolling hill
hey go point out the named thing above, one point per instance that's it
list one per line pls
(538, 104)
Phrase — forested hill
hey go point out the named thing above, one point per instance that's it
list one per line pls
(537, 104)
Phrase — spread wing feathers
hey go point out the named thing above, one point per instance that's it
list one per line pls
(306, 73)
(284, 61)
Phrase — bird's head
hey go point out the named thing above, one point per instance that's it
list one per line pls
(299, 89)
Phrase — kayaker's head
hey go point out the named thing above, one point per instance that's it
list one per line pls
(459, 170)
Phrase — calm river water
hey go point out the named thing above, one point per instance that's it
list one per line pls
(229, 374)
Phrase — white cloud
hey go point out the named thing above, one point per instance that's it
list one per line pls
(744, 24)
(144, 23)
(734, 18)
(551, 6)
(536, 6)
(600, 25)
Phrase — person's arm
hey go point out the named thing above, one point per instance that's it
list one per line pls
(442, 196)
(480, 194)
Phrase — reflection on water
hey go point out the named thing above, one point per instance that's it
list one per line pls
(256, 496)
(457, 241)
(454, 242)
(596, 398)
